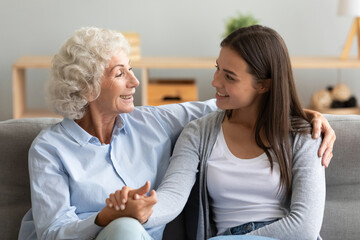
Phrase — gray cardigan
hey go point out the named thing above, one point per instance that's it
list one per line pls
(191, 152)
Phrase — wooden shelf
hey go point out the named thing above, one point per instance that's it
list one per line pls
(324, 63)
(36, 113)
(339, 111)
(145, 64)
(33, 62)
(301, 62)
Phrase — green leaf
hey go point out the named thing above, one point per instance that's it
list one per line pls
(239, 21)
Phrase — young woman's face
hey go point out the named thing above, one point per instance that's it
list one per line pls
(235, 87)
(117, 86)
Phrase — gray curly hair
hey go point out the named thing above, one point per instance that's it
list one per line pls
(78, 67)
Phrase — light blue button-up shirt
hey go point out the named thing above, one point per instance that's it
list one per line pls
(72, 173)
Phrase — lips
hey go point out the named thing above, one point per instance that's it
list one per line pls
(126, 96)
(221, 95)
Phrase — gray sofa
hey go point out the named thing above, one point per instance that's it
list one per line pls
(342, 213)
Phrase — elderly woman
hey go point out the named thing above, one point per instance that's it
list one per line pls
(103, 144)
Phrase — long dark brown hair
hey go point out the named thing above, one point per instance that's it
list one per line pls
(280, 113)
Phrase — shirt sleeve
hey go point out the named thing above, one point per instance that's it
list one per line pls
(175, 116)
(179, 179)
(54, 217)
(308, 195)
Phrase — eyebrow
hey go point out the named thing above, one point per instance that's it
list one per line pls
(118, 65)
(228, 71)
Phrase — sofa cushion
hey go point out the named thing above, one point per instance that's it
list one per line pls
(16, 137)
(342, 212)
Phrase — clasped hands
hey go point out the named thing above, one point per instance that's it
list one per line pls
(128, 202)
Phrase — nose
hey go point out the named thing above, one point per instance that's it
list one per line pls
(216, 80)
(133, 82)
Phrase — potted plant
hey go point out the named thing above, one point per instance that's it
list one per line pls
(239, 21)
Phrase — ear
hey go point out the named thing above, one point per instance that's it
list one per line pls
(264, 86)
(90, 99)
(92, 96)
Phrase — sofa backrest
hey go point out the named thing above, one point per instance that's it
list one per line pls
(342, 208)
(16, 137)
(345, 165)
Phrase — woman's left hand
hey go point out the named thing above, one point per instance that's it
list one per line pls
(321, 125)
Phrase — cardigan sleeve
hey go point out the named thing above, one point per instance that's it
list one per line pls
(308, 195)
(179, 179)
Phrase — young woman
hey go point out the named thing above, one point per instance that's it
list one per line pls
(257, 165)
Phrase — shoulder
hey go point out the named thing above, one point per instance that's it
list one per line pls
(142, 110)
(304, 140)
(146, 115)
(49, 133)
(51, 138)
(305, 149)
(301, 136)
(46, 145)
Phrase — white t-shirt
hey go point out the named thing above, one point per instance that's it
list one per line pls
(242, 190)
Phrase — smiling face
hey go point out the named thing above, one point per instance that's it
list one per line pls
(235, 86)
(117, 86)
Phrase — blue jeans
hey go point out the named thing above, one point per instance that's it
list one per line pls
(124, 228)
(240, 237)
(237, 233)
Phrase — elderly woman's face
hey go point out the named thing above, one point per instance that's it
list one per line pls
(117, 86)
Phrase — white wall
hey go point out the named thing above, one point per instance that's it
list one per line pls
(169, 28)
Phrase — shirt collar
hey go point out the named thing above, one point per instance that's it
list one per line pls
(76, 132)
(119, 125)
(82, 137)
